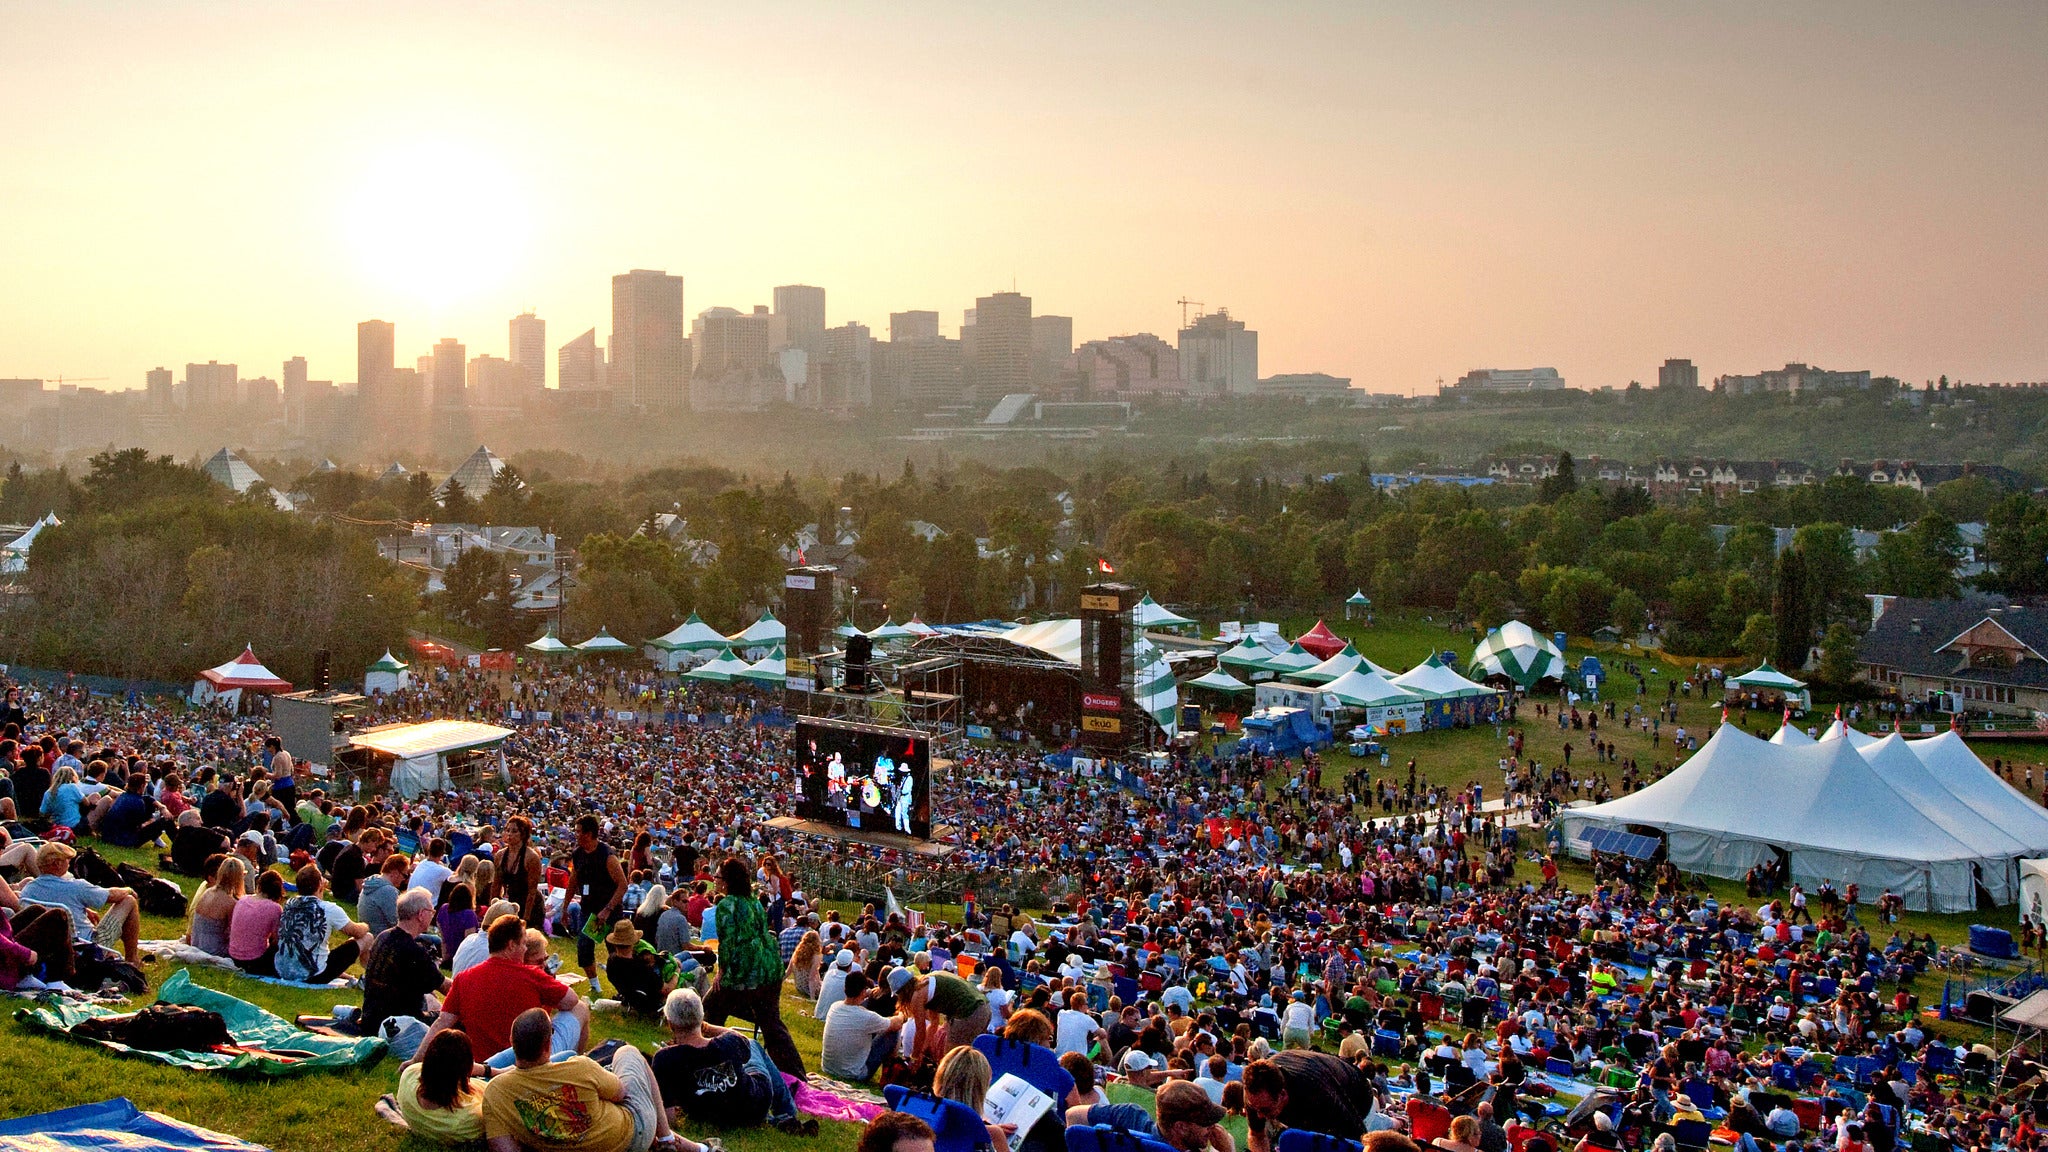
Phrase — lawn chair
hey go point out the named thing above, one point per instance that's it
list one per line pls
(955, 1126)
(1302, 1140)
(1103, 1138)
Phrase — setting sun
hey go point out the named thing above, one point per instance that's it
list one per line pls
(439, 222)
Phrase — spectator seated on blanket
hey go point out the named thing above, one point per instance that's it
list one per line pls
(437, 1097)
(486, 999)
(304, 928)
(109, 917)
(717, 1076)
(252, 934)
(641, 977)
(213, 909)
(194, 843)
(131, 818)
(378, 905)
(478, 946)
(574, 1105)
(400, 976)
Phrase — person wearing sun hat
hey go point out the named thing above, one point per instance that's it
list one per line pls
(642, 977)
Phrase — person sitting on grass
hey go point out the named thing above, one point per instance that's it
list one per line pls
(858, 1040)
(252, 934)
(641, 977)
(896, 1132)
(715, 1075)
(401, 977)
(131, 818)
(575, 1104)
(108, 917)
(486, 999)
(214, 908)
(33, 938)
(436, 1095)
(378, 905)
(303, 929)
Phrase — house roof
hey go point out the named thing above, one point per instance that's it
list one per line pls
(1894, 643)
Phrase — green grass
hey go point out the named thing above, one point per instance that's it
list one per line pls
(327, 1112)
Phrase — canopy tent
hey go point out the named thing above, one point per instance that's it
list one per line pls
(1432, 680)
(917, 625)
(14, 554)
(1247, 654)
(389, 674)
(687, 642)
(420, 753)
(770, 669)
(1148, 614)
(1060, 639)
(225, 684)
(1925, 819)
(1363, 689)
(1514, 651)
(1219, 681)
(1337, 665)
(1359, 599)
(1765, 677)
(720, 669)
(1791, 736)
(848, 631)
(604, 644)
(760, 636)
(1320, 642)
(1295, 659)
(549, 644)
(1159, 696)
(2034, 891)
(1841, 731)
(890, 632)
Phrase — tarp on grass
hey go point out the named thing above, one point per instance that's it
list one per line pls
(274, 1047)
(113, 1124)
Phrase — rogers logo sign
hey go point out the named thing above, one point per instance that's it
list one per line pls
(1101, 702)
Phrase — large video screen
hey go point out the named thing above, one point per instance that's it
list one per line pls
(863, 776)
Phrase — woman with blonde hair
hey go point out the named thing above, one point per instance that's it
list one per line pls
(805, 972)
(485, 883)
(647, 917)
(963, 1077)
(465, 873)
(214, 907)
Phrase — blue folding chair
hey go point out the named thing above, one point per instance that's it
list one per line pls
(1692, 1134)
(1301, 1140)
(1103, 1138)
(955, 1126)
(1557, 1067)
(1385, 1043)
(1034, 1064)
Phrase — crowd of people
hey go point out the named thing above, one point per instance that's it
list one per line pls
(1238, 937)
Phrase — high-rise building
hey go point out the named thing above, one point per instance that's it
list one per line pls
(1052, 341)
(999, 350)
(919, 374)
(448, 372)
(211, 385)
(158, 389)
(913, 327)
(843, 375)
(650, 357)
(1219, 356)
(530, 346)
(495, 383)
(1678, 374)
(376, 356)
(1123, 365)
(579, 366)
(724, 340)
(800, 311)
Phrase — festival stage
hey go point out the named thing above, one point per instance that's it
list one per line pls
(873, 838)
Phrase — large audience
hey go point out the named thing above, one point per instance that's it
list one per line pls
(1373, 958)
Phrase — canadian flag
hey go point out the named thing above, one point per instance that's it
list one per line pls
(1102, 565)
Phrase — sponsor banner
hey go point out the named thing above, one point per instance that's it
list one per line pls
(1101, 724)
(1102, 701)
(807, 583)
(1100, 604)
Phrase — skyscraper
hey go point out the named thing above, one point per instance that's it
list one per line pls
(211, 385)
(1052, 341)
(650, 357)
(450, 365)
(579, 366)
(1678, 374)
(530, 346)
(375, 356)
(913, 327)
(999, 355)
(801, 310)
(1219, 356)
(158, 389)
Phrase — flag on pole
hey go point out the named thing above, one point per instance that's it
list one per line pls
(1102, 566)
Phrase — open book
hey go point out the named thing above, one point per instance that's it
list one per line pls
(1013, 1101)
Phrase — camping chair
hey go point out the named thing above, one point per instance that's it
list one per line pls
(1302, 1140)
(955, 1126)
(1427, 1120)
(1560, 1068)
(1035, 1065)
(1103, 1138)
(1809, 1113)
(1385, 1043)
(1126, 989)
(1692, 1134)
(1620, 1078)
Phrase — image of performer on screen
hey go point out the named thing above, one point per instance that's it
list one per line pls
(906, 796)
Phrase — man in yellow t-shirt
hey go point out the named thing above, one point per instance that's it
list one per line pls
(575, 1105)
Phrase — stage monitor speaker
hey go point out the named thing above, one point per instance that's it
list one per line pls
(807, 596)
(860, 652)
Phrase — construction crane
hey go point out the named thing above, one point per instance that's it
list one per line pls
(1184, 302)
(60, 381)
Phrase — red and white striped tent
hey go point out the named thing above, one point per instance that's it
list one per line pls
(227, 683)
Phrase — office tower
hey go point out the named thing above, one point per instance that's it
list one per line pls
(375, 356)
(257, 397)
(447, 367)
(579, 366)
(909, 327)
(1678, 374)
(650, 357)
(724, 340)
(530, 346)
(211, 385)
(1219, 356)
(800, 309)
(294, 381)
(496, 383)
(158, 389)
(843, 374)
(999, 355)
(1126, 365)
(1052, 341)
(918, 374)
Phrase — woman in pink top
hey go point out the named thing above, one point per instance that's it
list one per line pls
(252, 932)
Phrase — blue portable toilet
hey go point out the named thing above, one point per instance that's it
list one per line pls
(1558, 638)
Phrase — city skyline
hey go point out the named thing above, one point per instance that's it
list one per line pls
(1392, 196)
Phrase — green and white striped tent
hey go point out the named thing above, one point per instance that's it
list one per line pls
(604, 644)
(768, 670)
(1519, 653)
(1159, 696)
(720, 669)
(760, 637)
(686, 644)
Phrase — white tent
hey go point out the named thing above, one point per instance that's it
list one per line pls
(1148, 614)
(1343, 662)
(1362, 689)
(549, 644)
(1930, 825)
(761, 637)
(1159, 695)
(604, 644)
(420, 753)
(1519, 653)
(1431, 680)
(1295, 659)
(226, 684)
(1250, 656)
(769, 669)
(1219, 681)
(917, 625)
(720, 669)
(890, 632)
(2034, 890)
(14, 554)
(686, 643)
(1791, 736)
(1057, 638)
(1841, 731)
(389, 674)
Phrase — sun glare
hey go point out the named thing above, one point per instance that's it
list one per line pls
(440, 222)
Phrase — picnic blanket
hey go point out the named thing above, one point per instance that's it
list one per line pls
(267, 1045)
(179, 952)
(812, 1100)
(113, 1124)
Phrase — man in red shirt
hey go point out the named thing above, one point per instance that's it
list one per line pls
(488, 997)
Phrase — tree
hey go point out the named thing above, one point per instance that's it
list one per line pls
(479, 592)
(1580, 600)
(505, 501)
(1629, 613)
(1838, 656)
(1921, 560)
(1484, 600)
(630, 604)
(456, 506)
(1792, 605)
(2016, 545)
(132, 477)
(1561, 483)
(1759, 637)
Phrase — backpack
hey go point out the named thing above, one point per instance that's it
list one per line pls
(93, 868)
(158, 897)
(161, 1028)
(94, 966)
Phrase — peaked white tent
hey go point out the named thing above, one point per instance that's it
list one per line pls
(770, 669)
(388, 674)
(1431, 680)
(917, 625)
(1841, 731)
(890, 632)
(1249, 656)
(1159, 696)
(1791, 736)
(1931, 823)
(1519, 653)
(1219, 681)
(1343, 662)
(1295, 659)
(549, 644)
(14, 554)
(1148, 614)
(720, 669)
(1362, 689)
(228, 684)
(759, 638)
(685, 644)
(1060, 639)
(604, 644)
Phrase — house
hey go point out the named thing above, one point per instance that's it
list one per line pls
(1977, 653)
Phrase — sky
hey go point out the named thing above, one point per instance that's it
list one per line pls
(1397, 193)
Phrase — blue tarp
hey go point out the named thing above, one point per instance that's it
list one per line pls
(113, 1124)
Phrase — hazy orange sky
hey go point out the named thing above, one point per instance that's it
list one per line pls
(1393, 192)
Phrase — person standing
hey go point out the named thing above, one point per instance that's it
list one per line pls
(598, 881)
(750, 967)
